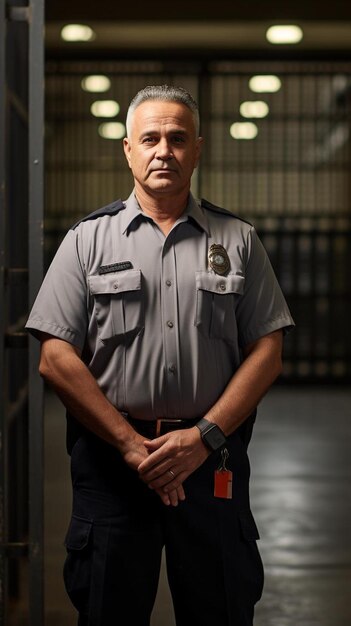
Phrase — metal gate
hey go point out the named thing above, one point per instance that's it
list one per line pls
(21, 211)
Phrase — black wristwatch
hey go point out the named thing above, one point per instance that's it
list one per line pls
(211, 434)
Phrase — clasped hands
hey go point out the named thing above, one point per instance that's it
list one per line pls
(171, 459)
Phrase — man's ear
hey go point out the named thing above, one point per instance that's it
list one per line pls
(127, 149)
(199, 142)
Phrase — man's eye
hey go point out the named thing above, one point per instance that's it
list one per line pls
(149, 140)
(178, 139)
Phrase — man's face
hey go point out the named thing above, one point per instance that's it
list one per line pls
(162, 150)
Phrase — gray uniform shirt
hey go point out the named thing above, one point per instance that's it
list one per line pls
(163, 337)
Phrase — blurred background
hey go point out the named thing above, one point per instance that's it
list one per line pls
(273, 83)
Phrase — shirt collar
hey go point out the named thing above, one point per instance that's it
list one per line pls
(193, 211)
(130, 213)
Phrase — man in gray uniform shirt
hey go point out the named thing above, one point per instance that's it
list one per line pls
(161, 324)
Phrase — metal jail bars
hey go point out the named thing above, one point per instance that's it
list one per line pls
(21, 210)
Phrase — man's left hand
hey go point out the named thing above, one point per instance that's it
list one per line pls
(172, 458)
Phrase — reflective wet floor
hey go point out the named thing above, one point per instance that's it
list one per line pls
(301, 497)
(300, 493)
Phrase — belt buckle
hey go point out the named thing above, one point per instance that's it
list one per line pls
(161, 421)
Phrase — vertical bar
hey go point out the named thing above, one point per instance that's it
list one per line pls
(3, 536)
(36, 201)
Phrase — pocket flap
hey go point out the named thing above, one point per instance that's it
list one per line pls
(248, 525)
(78, 534)
(209, 281)
(130, 280)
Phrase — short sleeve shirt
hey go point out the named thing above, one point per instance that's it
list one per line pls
(158, 328)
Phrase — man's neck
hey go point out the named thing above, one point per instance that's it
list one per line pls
(164, 210)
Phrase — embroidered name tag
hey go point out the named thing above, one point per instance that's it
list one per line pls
(115, 267)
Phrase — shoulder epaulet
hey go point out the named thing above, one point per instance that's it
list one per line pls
(109, 209)
(217, 209)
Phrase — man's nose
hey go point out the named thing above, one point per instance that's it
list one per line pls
(164, 150)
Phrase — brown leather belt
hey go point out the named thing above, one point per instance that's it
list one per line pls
(156, 428)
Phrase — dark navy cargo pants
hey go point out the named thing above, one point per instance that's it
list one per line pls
(119, 527)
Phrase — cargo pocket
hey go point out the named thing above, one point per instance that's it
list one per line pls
(118, 305)
(253, 567)
(77, 568)
(216, 300)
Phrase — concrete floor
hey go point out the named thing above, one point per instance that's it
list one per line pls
(301, 471)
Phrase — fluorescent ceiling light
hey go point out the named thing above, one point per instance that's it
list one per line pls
(105, 108)
(254, 108)
(96, 83)
(77, 32)
(243, 130)
(112, 130)
(284, 34)
(265, 84)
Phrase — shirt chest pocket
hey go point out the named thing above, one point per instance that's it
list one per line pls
(216, 300)
(117, 305)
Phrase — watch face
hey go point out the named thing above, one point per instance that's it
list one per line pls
(215, 438)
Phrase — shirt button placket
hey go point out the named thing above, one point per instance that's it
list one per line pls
(170, 333)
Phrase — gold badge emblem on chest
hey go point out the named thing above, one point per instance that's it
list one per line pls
(218, 259)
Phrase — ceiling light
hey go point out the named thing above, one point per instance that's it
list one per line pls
(105, 108)
(77, 32)
(254, 108)
(112, 130)
(243, 130)
(284, 34)
(265, 84)
(96, 83)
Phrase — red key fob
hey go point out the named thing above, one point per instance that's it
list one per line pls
(223, 484)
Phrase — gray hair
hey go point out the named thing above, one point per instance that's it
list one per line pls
(163, 93)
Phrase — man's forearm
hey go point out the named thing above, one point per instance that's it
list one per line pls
(249, 384)
(63, 369)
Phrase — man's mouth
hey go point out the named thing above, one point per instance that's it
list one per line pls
(163, 169)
